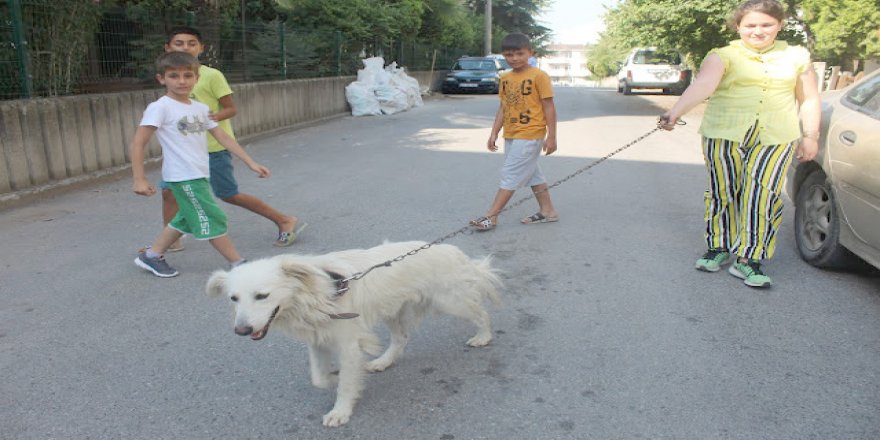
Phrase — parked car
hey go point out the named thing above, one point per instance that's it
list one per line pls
(504, 66)
(473, 74)
(650, 68)
(837, 195)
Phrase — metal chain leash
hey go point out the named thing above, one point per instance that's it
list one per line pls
(467, 229)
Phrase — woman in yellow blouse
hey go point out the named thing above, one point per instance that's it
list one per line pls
(751, 129)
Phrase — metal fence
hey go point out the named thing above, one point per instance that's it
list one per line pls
(54, 48)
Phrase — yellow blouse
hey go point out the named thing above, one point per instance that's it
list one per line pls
(756, 86)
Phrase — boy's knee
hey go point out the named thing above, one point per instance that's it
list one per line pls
(234, 199)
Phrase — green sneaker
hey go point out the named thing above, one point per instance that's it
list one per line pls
(750, 273)
(712, 260)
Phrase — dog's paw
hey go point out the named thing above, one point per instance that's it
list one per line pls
(377, 365)
(479, 340)
(336, 418)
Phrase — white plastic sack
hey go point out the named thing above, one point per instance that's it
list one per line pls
(391, 99)
(374, 63)
(381, 89)
(409, 85)
(362, 99)
(374, 68)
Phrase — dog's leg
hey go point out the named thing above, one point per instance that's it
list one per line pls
(484, 333)
(320, 366)
(351, 377)
(468, 306)
(399, 327)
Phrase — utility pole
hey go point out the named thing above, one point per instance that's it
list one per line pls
(488, 46)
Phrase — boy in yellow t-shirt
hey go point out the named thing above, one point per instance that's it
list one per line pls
(213, 91)
(528, 115)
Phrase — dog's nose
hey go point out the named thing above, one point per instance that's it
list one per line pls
(243, 330)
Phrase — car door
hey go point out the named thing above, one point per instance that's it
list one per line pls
(854, 157)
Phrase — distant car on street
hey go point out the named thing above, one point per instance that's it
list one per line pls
(473, 75)
(650, 68)
(837, 195)
(504, 66)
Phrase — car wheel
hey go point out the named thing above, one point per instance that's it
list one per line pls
(817, 224)
(619, 87)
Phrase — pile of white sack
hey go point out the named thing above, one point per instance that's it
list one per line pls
(380, 91)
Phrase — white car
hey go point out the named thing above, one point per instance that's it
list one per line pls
(649, 68)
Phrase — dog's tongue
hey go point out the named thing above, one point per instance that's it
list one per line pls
(256, 336)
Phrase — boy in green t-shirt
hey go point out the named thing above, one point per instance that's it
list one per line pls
(213, 91)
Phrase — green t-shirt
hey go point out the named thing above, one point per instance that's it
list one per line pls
(211, 87)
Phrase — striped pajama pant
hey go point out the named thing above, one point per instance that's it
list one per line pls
(743, 203)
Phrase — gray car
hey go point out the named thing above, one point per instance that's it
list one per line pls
(473, 75)
(837, 196)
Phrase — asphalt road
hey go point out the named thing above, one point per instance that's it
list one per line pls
(606, 332)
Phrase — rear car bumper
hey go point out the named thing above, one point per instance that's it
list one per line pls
(657, 85)
(679, 81)
(482, 87)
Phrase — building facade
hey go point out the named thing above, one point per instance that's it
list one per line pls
(567, 64)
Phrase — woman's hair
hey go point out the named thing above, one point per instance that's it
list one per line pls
(770, 7)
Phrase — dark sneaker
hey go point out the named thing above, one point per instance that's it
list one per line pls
(712, 260)
(157, 265)
(750, 273)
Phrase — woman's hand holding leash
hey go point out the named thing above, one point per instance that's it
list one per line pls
(807, 149)
(667, 122)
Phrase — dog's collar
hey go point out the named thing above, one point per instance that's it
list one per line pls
(341, 282)
(341, 288)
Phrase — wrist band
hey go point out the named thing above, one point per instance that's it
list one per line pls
(811, 134)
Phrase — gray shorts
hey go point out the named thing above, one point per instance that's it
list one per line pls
(521, 164)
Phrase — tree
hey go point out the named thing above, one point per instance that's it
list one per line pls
(842, 31)
(59, 41)
(515, 16)
(448, 23)
(357, 19)
(692, 27)
(837, 31)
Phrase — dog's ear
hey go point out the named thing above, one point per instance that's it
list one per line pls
(293, 269)
(217, 283)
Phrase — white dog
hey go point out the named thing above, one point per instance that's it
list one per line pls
(300, 296)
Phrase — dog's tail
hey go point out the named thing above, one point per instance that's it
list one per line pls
(488, 281)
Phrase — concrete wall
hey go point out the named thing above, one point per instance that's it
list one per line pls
(54, 142)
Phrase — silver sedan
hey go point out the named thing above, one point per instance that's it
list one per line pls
(837, 196)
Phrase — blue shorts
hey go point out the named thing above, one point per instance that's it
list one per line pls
(521, 164)
(222, 178)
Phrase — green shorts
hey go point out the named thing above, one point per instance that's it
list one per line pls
(198, 212)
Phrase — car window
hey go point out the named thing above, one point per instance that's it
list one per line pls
(503, 63)
(865, 97)
(654, 57)
(474, 65)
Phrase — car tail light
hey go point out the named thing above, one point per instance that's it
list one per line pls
(629, 75)
(682, 75)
